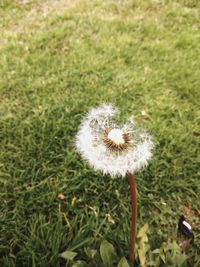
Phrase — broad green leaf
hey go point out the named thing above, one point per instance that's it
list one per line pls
(143, 245)
(123, 263)
(180, 259)
(107, 253)
(68, 255)
(142, 255)
(143, 233)
(80, 264)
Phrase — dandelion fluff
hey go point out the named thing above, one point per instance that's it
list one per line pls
(124, 150)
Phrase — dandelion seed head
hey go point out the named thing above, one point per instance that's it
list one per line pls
(111, 148)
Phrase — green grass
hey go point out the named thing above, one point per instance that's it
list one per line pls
(57, 59)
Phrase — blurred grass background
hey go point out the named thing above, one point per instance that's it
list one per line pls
(57, 59)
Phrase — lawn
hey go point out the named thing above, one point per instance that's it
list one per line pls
(58, 58)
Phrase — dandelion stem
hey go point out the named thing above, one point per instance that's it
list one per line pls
(134, 215)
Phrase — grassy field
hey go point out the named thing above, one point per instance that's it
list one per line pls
(58, 58)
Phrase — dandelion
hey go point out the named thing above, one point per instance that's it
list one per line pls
(114, 148)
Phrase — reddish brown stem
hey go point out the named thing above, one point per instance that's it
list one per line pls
(131, 179)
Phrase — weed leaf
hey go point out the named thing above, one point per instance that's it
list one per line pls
(143, 244)
(107, 253)
(123, 263)
(68, 255)
(80, 264)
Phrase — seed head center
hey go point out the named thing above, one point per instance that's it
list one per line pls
(116, 136)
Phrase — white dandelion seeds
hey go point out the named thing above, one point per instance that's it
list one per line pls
(110, 147)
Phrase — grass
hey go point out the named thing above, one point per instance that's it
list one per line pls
(58, 58)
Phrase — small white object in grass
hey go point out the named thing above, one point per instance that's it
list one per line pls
(187, 225)
(143, 113)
